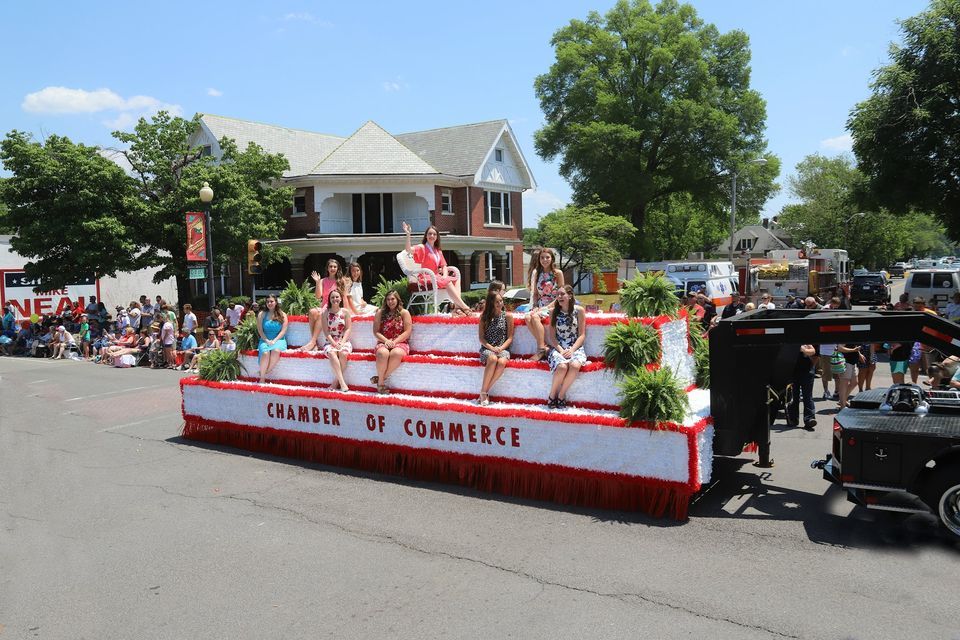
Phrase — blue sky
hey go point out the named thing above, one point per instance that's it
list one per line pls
(331, 66)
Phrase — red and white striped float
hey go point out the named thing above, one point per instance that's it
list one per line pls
(429, 427)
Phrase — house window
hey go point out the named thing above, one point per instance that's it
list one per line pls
(497, 206)
(498, 155)
(446, 202)
(206, 150)
(491, 268)
(373, 213)
(299, 205)
(508, 276)
(746, 244)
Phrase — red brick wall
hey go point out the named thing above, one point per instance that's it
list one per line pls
(299, 227)
(514, 232)
(454, 224)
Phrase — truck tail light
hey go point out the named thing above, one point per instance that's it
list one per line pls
(846, 477)
(837, 427)
(852, 442)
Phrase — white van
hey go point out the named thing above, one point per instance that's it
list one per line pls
(936, 286)
(716, 280)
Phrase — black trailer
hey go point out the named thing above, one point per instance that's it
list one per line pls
(885, 450)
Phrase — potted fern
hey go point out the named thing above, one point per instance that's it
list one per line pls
(630, 346)
(297, 299)
(649, 295)
(655, 396)
(220, 366)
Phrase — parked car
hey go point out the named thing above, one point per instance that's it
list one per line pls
(936, 286)
(870, 288)
(898, 270)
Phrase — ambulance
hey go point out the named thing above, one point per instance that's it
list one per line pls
(716, 280)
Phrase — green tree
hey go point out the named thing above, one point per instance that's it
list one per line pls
(75, 212)
(68, 208)
(828, 215)
(646, 102)
(906, 136)
(586, 238)
(684, 227)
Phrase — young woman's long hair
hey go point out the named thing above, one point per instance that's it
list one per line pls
(326, 269)
(277, 313)
(489, 308)
(385, 311)
(557, 309)
(350, 267)
(436, 245)
(534, 273)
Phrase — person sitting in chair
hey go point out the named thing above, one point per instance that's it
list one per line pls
(429, 255)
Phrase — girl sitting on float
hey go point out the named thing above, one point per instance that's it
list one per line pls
(429, 255)
(545, 281)
(568, 325)
(323, 287)
(272, 327)
(360, 306)
(496, 334)
(391, 327)
(335, 324)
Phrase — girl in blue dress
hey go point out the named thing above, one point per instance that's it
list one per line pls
(272, 326)
(568, 324)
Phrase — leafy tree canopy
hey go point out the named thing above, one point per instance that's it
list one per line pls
(647, 102)
(75, 212)
(828, 216)
(906, 136)
(586, 238)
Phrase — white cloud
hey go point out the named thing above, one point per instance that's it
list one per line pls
(307, 17)
(848, 51)
(216, 93)
(391, 87)
(537, 204)
(66, 101)
(840, 143)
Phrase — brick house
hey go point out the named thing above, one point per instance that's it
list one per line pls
(352, 194)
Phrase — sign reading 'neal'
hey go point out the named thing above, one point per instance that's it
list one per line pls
(18, 291)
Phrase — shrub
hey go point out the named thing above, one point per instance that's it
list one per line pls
(298, 299)
(220, 366)
(400, 286)
(629, 346)
(701, 353)
(473, 297)
(649, 295)
(246, 335)
(232, 300)
(653, 395)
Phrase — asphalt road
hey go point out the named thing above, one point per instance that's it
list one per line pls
(112, 527)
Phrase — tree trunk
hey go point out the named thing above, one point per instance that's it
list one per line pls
(183, 291)
(638, 247)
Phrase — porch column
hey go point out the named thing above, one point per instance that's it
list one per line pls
(500, 267)
(466, 268)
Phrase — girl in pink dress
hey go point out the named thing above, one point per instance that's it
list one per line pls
(391, 327)
(429, 255)
(335, 324)
(323, 287)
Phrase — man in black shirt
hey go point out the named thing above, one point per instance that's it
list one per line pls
(733, 308)
(803, 375)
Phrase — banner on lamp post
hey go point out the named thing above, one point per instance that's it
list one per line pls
(196, 237)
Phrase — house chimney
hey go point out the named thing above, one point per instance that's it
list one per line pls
(766, 223)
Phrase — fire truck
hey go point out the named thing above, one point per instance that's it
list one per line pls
(895, 449)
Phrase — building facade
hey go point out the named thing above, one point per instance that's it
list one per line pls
(352, 195)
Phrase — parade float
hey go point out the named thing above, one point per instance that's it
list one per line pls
(430, 426)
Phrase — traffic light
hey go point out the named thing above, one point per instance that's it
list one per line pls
(254, 256)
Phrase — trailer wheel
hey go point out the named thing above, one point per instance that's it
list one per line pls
(944, 498)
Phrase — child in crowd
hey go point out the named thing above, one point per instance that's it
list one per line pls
(391, 327)
(85, 335)
(568, 324)
(335, 324)
(496, 334)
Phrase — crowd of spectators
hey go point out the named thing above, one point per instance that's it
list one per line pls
(142, 333)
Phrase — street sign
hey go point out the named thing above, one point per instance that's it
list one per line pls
(198, 273)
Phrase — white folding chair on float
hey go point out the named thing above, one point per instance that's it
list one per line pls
(422, 284)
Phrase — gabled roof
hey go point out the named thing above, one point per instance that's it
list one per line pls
(303, 149)
(456, 151)
(372, 151)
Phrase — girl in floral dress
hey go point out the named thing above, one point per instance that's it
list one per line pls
(391, 327)
(496, 334)
(545, 281)
(335, 324)
(568, 323)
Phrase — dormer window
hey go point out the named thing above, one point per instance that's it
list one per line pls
(498, 155)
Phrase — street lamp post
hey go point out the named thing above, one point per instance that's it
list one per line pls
(206, 197)
(733, 204)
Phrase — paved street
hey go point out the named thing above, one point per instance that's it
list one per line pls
(112, 527)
